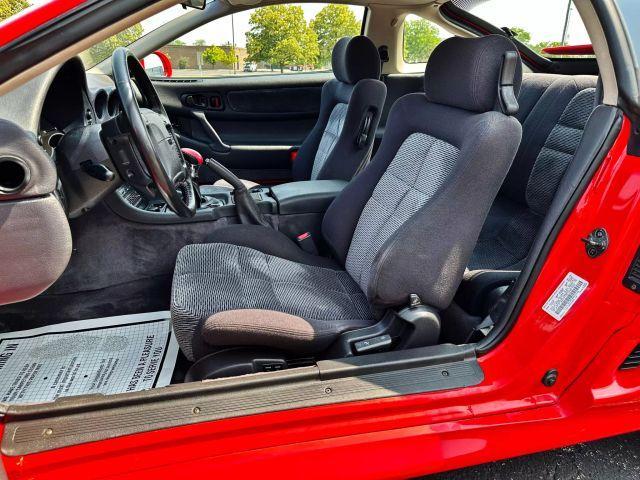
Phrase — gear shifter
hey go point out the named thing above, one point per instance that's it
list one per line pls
(195, 161)
(248, 210)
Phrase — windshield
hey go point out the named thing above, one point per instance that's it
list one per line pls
(536, 23)
(103, 50)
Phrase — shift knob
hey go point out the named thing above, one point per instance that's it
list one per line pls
(192, 156)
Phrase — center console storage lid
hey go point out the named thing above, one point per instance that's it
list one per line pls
(313, 196)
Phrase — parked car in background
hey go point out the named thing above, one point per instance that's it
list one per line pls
(250, 67)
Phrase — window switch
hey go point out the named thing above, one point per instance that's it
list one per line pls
(375, 343)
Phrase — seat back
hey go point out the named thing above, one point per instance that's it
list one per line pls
(351, 104)
(552, 131)
(407, 224)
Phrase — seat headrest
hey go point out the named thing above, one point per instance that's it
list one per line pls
(355, 58)
(477, 74)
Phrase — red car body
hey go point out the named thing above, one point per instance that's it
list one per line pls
(512, 412)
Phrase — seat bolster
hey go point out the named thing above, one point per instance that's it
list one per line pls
(269, 242)
(268, 328)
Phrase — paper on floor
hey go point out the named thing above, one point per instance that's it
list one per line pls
(103, 355)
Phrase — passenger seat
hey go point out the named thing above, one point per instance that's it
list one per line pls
(554, 111)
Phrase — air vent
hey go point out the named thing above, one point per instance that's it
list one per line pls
(633, 360)
(632, 279)
(14, 175)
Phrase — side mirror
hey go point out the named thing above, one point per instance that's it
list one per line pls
(157, 64)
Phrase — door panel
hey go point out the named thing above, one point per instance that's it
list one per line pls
(250, 124)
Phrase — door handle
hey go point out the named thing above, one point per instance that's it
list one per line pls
(217, 145)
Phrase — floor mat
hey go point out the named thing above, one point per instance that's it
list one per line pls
(108, 355)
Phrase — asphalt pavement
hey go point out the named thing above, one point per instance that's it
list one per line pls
(612, 458)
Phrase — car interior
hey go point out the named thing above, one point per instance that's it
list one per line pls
(373, 207)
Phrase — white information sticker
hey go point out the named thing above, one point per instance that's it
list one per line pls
(565, 296)
(103, 355)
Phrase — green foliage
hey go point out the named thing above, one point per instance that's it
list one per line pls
(280, 36)
(183, 62)
(231, 56)
(522, 35)
(538, 47)
(331, 24)
(216, 54)
(104, 49)
(525, 37)
(178, 43)
(8, 8)
(420, 39)
(200, 43)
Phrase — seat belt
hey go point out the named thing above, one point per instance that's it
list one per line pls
(365, 129)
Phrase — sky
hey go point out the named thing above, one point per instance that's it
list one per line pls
(544, 19)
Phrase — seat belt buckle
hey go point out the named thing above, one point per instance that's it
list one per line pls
(306, 243)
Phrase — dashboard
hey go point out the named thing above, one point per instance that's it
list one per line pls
(68, 126)
(65, 109)
(71, 103)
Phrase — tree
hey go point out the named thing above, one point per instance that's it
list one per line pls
(104, 49)
(420, 39)
(231, 55)
(9, 8)
(287, 52)
(331, 24)
(178, 43)
(521, 34)
(279, 35)
(200, 43)
(538, 47)
(525, 37)
(215, 55)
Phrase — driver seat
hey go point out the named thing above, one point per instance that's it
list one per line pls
(407, 224)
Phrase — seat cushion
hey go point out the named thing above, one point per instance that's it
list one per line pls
(270, 242)
(506, 237)
(220, 277)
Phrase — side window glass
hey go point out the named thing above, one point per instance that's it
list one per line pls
(278, 39)
(420, 38)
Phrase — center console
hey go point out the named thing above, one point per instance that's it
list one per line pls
(296, 198)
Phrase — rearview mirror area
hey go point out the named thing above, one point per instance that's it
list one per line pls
(199, 4)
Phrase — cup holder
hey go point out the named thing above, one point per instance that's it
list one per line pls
(14, 175)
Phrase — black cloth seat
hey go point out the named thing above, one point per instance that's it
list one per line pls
(554, 112)
(551, 132)
(340, 143)
(407, 224)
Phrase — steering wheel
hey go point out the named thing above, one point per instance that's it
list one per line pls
(153, 137)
